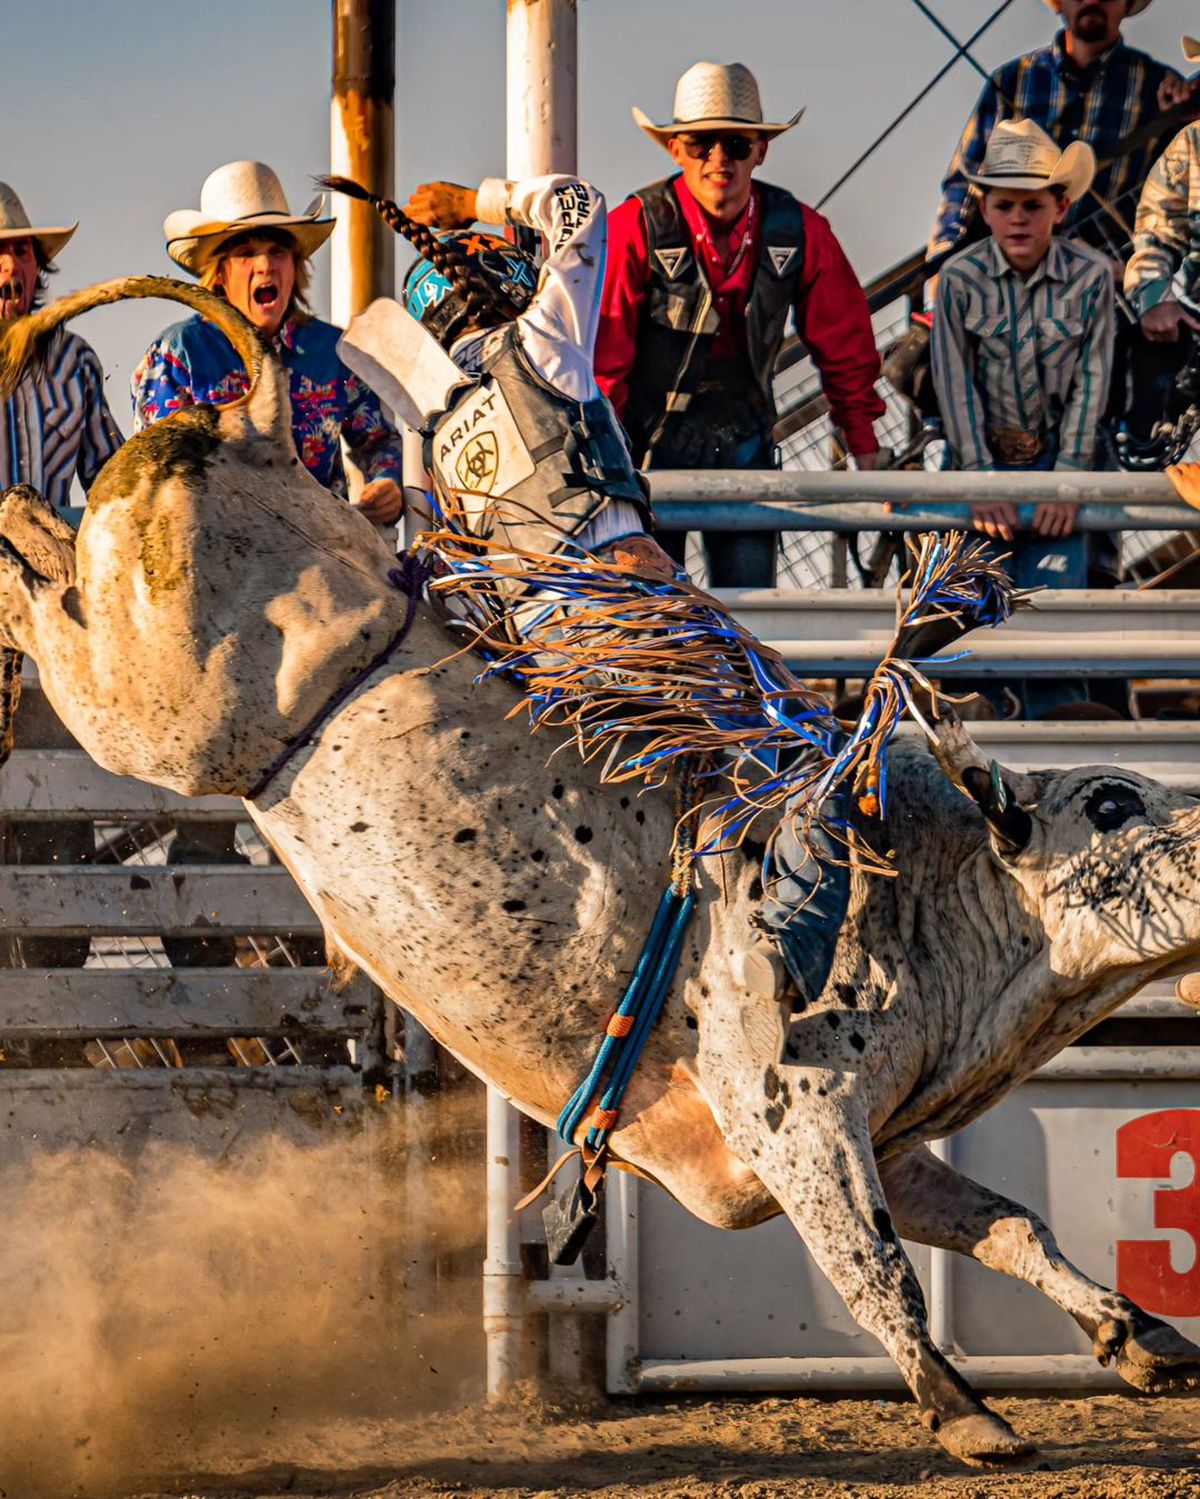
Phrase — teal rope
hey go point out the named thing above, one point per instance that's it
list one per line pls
(647, 968)
(617, 1056)
(631, 1046)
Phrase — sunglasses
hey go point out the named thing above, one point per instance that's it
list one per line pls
(701, 147)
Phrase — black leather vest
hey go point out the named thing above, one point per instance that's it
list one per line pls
(517, 454)
(679, 326)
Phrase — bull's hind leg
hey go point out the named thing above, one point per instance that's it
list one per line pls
(803, 1132)
(934, 1204)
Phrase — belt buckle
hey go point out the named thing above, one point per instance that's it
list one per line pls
(1015, 445)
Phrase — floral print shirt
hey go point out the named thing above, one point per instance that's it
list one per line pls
(193, 364)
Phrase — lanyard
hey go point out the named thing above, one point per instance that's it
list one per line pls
(710, 248)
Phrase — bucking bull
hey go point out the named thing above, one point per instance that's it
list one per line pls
(223, 624)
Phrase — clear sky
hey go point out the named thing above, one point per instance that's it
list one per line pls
(115, 110)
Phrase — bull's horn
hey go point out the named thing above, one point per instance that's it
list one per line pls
(999, 794)
(953, 748)
(1011, 825)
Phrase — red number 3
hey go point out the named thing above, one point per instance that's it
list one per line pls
(1145, 1148)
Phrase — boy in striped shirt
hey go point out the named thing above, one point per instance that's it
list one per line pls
(1022, 348)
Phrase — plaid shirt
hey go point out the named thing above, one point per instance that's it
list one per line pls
(1167, 237)
(1031, 354)
(1115, 95)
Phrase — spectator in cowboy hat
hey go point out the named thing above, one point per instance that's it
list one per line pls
(245, 242)
(1166, 239)
(1022, 355)
(703, 270)
(54, 429)
(1087, 83)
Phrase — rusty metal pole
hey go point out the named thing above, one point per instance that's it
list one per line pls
(542, 49)
(362, 146)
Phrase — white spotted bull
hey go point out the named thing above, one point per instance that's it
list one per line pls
(219, 604)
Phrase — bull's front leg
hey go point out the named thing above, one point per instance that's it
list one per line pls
(803, 1131)
(934, 1204)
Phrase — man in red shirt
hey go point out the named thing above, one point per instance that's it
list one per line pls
(703, 269)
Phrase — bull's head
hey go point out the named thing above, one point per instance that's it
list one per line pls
(1109, 860)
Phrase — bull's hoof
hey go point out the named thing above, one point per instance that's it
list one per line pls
(1156, 1359)
(984, 1440)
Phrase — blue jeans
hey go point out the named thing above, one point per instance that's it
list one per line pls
(1033, 562)
(736, 559)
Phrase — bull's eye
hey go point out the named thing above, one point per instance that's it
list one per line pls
(1112, 806)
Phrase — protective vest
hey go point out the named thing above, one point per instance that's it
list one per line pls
(679, 326)
(520, 458)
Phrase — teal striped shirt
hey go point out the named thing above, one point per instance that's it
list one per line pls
(1032, 353)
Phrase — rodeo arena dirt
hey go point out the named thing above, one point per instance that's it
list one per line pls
(600, 856)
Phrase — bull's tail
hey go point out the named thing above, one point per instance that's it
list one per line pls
(23, 342)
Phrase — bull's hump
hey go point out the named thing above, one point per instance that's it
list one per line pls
(180, 447)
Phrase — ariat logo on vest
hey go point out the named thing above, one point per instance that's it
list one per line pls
(479, 453)
(478, 463)
(781, 259)
(671, 260)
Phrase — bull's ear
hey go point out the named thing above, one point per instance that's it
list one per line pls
(1011, 825)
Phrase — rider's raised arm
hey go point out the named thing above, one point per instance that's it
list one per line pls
(558, 329)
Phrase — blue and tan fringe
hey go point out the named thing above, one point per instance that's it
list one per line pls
(638, 672)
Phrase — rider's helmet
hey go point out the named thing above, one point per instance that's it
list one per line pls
(432, 298)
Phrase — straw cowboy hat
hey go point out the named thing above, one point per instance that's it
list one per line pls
(1020, 154)
(715, 96)
(14, 224)
(237, 199)
(1191, 49)
(1136, 7)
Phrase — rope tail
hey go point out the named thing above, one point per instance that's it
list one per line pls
(480, 294)
(23, 343)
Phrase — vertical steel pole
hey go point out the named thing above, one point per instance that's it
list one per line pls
(541, 81)
(503, 1277)
(542, 87)
(362, 146)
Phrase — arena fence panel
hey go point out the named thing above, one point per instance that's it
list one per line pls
(122, 1047)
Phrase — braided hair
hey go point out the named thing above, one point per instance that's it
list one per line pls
(483, 300)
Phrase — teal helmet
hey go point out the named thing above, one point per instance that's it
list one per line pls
(437, 304)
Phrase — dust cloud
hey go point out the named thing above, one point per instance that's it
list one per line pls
(165, 1314)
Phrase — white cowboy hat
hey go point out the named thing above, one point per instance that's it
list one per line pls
(1021, 155)
(14, 224)
(237, 199)
(715, 96)
(1135, 8)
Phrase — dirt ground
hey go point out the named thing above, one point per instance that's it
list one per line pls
(1089, 1448)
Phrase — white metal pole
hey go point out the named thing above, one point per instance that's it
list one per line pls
(542, 135)
(621, 1225)
(542, 52)
(503, 1281)
(941, 1274)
